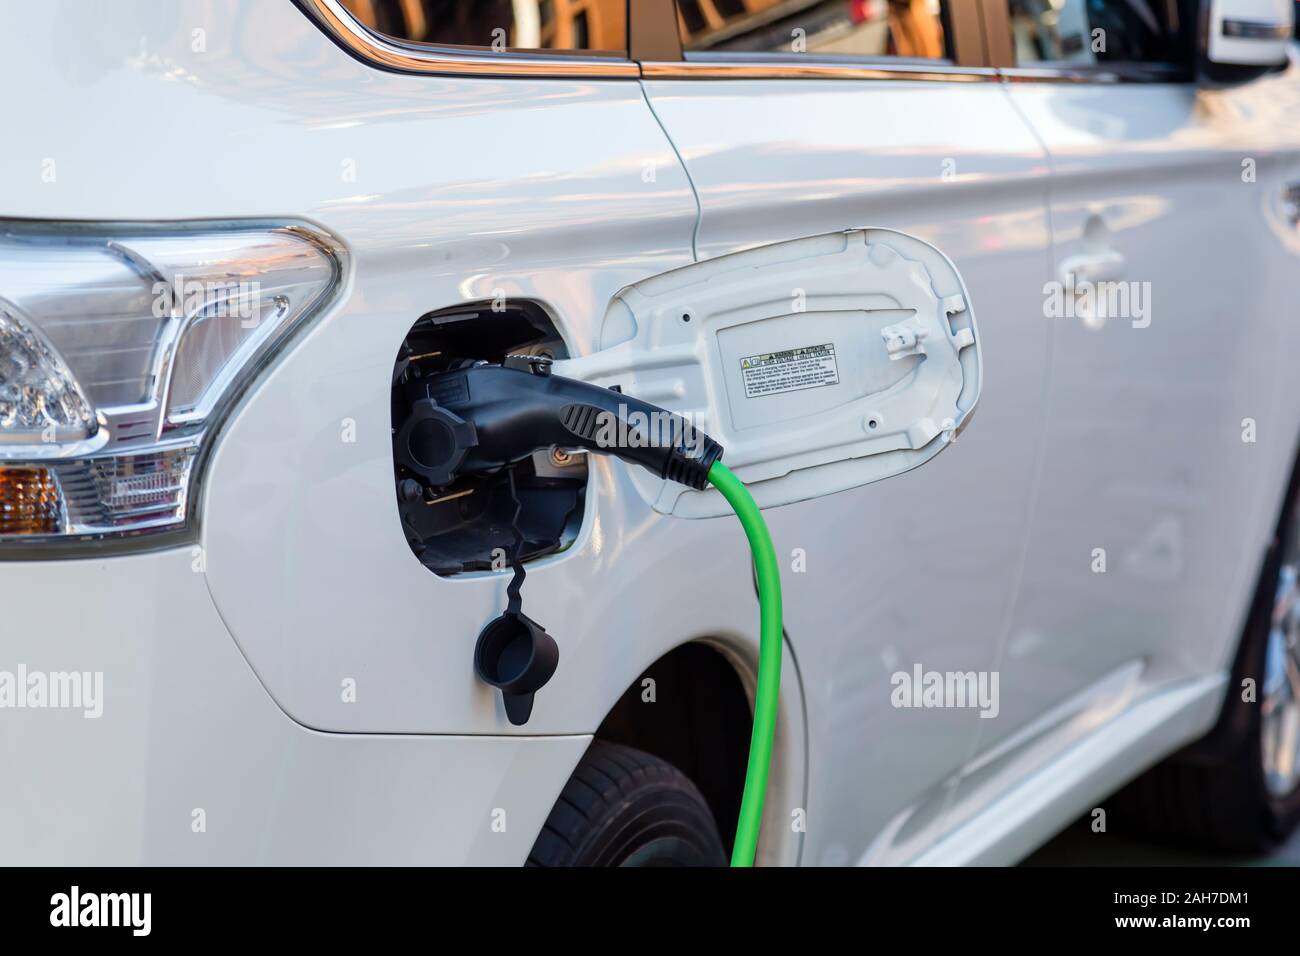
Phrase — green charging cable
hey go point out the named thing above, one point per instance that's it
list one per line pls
(769, 660)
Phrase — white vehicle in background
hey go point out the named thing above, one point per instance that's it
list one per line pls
(234, 631)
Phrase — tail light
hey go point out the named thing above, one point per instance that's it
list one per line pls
(121, 348)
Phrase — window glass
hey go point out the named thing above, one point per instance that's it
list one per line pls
(1083, 32)
(597, 25)
(874, 28)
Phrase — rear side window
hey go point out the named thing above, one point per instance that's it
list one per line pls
(867, 28)
(500, 25)
(1086, 32)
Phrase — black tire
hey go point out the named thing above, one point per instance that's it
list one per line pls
(1212, 795)
(625, 807)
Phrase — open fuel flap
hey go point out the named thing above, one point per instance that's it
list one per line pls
(819, 364)
(812, 366)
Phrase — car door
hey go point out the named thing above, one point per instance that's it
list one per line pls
(796, 119)
(1172, 296)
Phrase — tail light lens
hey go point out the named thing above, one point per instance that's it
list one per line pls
(29, 501)
(121, 347)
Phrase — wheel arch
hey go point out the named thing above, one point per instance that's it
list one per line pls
(693, 707)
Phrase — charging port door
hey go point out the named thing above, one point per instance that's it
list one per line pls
(820, 364)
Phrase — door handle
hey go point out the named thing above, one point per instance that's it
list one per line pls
(1097, 265)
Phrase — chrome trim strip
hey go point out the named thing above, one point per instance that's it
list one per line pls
(1022, 74)
(786, 69)
(365, 44)
(1119, 73)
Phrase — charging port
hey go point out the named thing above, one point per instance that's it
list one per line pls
(470, 524)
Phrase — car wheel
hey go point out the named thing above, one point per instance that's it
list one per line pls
(1238, 789)
(625, 807)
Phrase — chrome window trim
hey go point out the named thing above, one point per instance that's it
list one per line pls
(386, 53)
(367, 45)
(1102, 73)
(778, 67)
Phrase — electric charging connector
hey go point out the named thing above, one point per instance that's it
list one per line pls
(482, 418)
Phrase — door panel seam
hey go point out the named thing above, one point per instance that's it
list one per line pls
(699, 208)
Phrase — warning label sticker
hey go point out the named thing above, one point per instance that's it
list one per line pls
(790, 371)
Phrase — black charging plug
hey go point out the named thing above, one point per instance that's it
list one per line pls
(481, 418)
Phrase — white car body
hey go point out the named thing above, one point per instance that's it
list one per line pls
(223, 660)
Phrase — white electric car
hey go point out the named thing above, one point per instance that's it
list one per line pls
(234, 629)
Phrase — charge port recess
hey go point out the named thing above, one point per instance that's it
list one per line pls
(469, 525)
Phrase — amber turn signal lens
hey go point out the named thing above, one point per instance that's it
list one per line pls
(29, 501)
